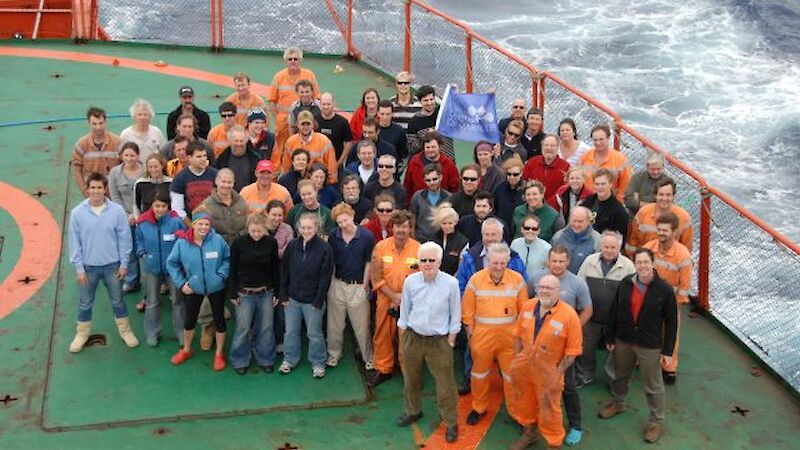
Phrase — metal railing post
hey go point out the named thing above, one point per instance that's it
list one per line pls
(617, 133)
(407, 38)
(468, 51)
(703, 286)
(213, 11)
(534, 90)
(349, 39)
(220, 22)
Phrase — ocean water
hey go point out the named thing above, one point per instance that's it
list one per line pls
(715, 82)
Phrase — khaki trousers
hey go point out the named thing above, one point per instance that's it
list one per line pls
(348, 301)
(625, 358)
(436, 353)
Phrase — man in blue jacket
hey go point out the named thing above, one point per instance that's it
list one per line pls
(306, 271)
(99, 247)
(473, 260)
(579, 237)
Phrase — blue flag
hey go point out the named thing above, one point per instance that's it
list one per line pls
(468, 117)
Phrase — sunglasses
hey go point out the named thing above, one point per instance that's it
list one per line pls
(384, 210)
(471, 179)
(511, 133)
(518, 107)
(385, 166)
(513, 174)
(426, 260)
(431, 180)
(226, 115)
(305, 123)
(530, 228)
(292, 58)
(403, 82)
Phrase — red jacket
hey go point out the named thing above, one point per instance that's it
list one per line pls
(560, 201)
(552, 176)
(415, 180)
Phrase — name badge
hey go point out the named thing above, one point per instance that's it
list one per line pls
(168, 237)
(556, 325)
(212, 255)
(387, 259)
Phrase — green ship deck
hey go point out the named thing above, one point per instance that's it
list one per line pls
(114, 397)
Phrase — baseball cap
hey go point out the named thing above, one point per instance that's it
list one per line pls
(186, 90)
(305, 116)
(264, 165)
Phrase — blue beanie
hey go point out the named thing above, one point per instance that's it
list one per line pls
(256, 114)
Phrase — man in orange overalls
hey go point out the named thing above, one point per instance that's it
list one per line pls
(393, 259)
(492, 299)
(282, 93)
(548, 339)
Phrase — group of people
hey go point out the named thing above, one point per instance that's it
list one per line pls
(516, 258)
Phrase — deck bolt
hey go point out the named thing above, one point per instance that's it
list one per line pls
(27, 280)
(742, 412)
(9, 399)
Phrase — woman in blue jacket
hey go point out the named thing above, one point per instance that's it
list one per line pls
(199, 265)
(155, 237)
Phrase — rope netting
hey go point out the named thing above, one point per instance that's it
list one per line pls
(753, 278)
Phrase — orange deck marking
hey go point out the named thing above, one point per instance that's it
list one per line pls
(129, 63)
(41, 247)
(469, 436)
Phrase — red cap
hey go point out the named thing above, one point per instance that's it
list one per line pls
(263, 165)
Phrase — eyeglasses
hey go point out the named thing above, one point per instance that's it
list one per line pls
(426, 260)
(403, 82)
(530, 228)
(293, 58)
(518, 107)
(513, 174)
(385, 166)
(511, 133)
(227, 115)
(431, 180)
(305, 123)
(470, 179)
(384, 210)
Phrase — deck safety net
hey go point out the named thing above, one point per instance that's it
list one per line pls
(754, 280)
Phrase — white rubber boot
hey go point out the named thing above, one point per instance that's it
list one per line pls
(81, 337)
(126, 333)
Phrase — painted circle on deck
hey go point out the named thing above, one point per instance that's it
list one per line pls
(41, 248)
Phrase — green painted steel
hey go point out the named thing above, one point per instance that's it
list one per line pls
(62, 398)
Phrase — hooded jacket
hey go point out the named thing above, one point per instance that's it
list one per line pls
(155, 238)
(205, 267)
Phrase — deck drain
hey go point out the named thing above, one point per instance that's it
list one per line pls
(96, 339)
(56, 75)
(288, 446)
(49, 127)
(740, 411)
(7, 400)
(39, 193)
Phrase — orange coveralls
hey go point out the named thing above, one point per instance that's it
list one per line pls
(536, 383)
(643, 228)
(244, 106)
(675, 267)
(389, 268)
(616, 162)
(490, 311)
(218, 138)
(283, 94)
(320, 149)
